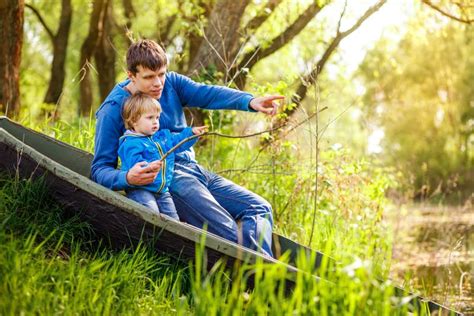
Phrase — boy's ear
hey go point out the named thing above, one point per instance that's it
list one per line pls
(130, 74)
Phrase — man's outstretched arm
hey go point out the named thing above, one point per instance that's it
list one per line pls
(212, 97)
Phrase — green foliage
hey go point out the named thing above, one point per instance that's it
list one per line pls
(350, 194)
(417, 92)
(351, 289)
(50, 263)
(46, 268)
(420, 93)
(78, 133)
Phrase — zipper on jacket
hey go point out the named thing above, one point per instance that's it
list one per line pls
(163, 167)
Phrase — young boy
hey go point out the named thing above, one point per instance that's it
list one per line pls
(144, 142)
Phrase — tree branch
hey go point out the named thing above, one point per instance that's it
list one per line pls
(164, 37)
(253, 56)
(341, 16)
(436, 8)
(310, 78)
(42, 21)
(214, 134)
(263, 15)
(265, 146)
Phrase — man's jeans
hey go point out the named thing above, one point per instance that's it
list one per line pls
(159, 202)
(202, 197)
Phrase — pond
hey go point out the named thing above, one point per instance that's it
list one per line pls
(433, 252)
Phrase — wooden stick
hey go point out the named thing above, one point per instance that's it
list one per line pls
(235, 136)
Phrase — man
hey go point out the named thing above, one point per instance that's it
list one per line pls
(201, 197)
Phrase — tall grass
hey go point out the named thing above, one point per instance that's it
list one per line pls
(52, 263)
(349, 290)
(78, 133)
(350, 202)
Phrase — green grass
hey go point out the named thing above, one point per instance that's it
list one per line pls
(52, 263)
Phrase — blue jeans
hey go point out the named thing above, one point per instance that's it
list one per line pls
(159, 202)
(202, 197)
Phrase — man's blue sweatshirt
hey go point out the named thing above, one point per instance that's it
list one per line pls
(179, 91)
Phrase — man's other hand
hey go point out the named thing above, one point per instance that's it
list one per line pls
(143, 173)
(267, 105)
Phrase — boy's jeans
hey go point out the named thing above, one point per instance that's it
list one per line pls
(202, 197)
(159, 202)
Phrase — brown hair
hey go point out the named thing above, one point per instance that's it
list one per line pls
(146, 53)
(136, 106)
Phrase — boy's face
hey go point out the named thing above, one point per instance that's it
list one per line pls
(148, 81)
(148, 123)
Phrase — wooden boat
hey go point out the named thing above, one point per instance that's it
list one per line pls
(121, 221)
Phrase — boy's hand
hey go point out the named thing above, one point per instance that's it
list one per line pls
(199, 130)
(143, 173)
(267, 105)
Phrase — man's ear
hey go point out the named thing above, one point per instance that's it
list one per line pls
(130, 75)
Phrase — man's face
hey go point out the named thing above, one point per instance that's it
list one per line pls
(148, 81)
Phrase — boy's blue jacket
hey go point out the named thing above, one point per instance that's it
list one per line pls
(136, 147)
(179, 91)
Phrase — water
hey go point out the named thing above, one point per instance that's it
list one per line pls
(434, 253)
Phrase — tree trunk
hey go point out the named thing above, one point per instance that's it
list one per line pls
(11, 31)
(87, 51)
(221, 41)
(124, 29)
(60, 43)
(129, 13)
(105, 56)
(218, 47)
(194, 38)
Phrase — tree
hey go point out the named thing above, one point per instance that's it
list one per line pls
(105, 55)
(221, 39)
(460, 11)
(261, 51)
(60, 45)
(422, 99)
(88, 49)
(312, 76)
(11, 24)
(217, 41)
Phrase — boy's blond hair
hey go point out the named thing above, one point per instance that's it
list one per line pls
(136, 106)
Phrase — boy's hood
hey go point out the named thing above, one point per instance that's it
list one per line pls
(130, 134)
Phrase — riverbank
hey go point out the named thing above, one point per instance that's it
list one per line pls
(433, 252)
